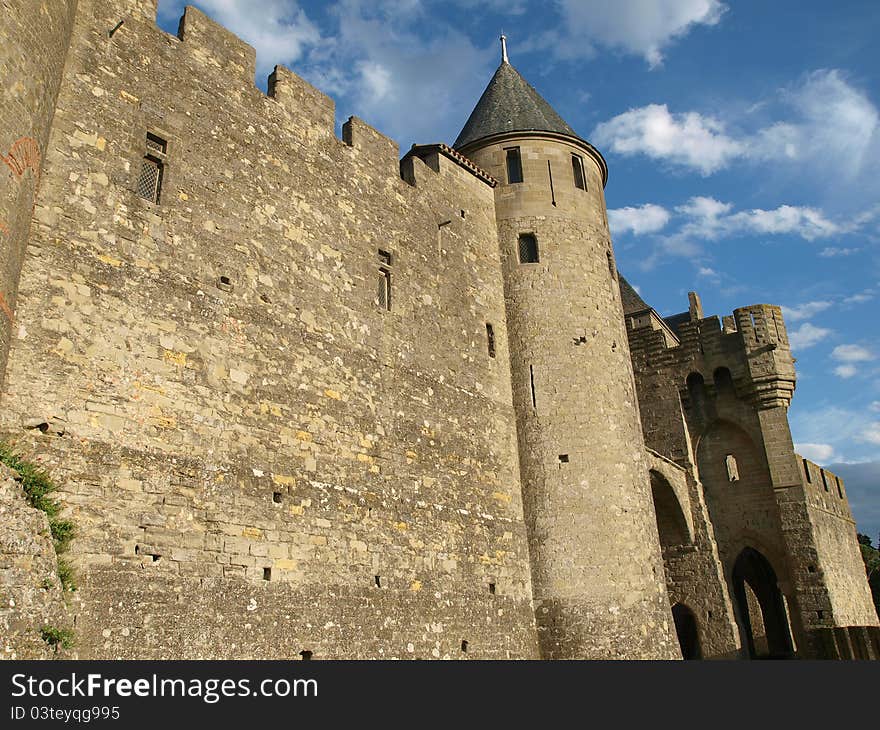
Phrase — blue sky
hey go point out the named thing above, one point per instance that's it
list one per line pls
(743, 141)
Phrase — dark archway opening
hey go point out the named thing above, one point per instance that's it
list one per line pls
(686, 629)
(760, 608)
(672, 526)
(724, 382)
(696, 387)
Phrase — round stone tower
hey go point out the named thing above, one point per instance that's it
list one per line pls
(597, 571)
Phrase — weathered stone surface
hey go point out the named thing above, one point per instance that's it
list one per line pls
(302, 396)
(31, 596)
(714, 401)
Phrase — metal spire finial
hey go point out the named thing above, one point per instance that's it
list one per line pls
(504, 49)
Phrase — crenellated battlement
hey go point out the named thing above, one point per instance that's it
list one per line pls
(752, 344)
(824, 489)
(213, 44)
(389, 398)
(224, 65)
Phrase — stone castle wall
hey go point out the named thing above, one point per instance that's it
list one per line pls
(260, 459)
(723, 392)
(306, 404)
(32, 55)
(31, 595)
(838, 557)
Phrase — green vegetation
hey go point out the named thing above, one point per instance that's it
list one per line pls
(871, 556)
(56, 637)
(65, 575)
(37, 486)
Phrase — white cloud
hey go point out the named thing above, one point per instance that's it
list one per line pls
(648, 218)
(805, 311)
(832, 118)
(374, 58)
(640, 27)
(831, 251)
(852, 353)
(280, 32)
(704, 218)
(854, 433)
(689, 139)
(860, 298)
(411, 85)
(375, 80)
(846, 371)
(708, 273)
(708, 218)
(820, 453)
(806, 336)
(871, 434)
(807, 223)
(875, 406)
(828, 118)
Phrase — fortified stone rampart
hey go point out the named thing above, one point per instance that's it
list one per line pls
(306, 399)
(714, 399)
(838, 560)
(266, 451)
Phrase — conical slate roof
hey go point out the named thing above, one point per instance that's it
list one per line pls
(510, 104)
(632, 301)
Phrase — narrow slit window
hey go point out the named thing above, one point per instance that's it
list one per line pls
(807, 471)
(532, 384)
(824, 479)
(514, 166)
(528, 248)
(577, 168)
(732, 468)
(839, 488)
(490, 339)
(383, 297)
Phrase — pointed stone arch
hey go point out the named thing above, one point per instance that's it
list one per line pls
(687, 630)
(759, 607)
(672, 503)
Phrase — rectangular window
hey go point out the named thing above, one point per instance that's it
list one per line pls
(490, 339)
(528, 248)
(156, 144)
(577, 167)
(514, 166)
(149, 182)
(383, 298)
